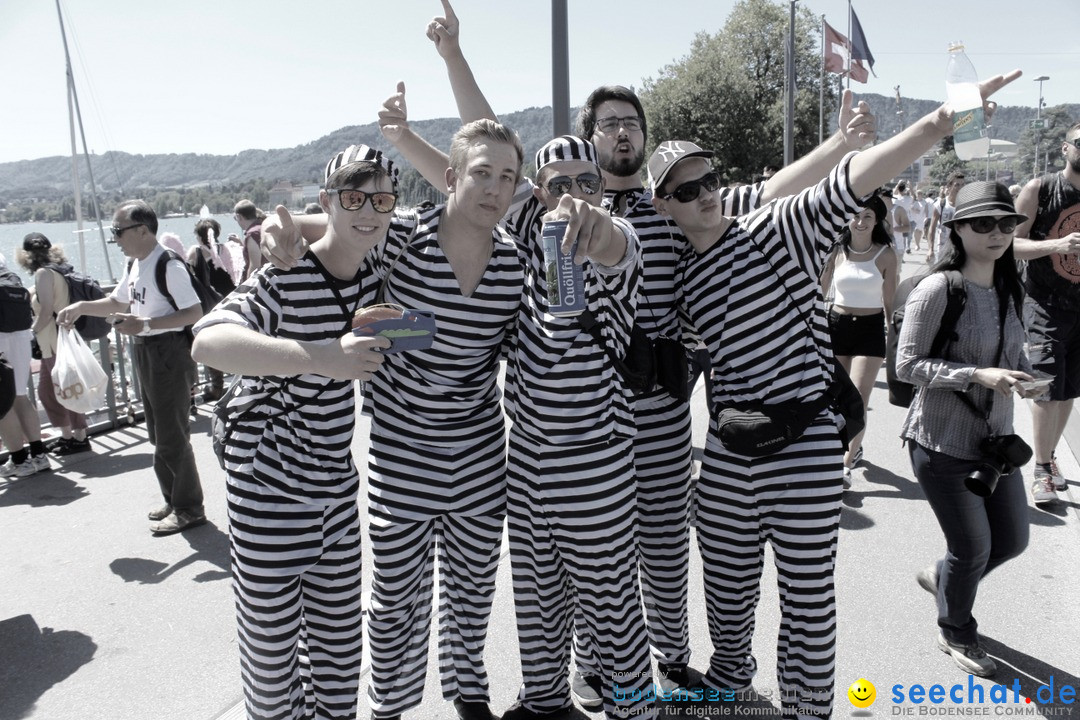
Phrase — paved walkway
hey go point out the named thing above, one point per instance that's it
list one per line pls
(98, 619)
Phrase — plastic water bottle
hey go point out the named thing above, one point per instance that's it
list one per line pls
(969, 123)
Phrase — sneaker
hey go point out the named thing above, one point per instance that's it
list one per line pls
(970, 658)
(672, 676)
(518, 711)
(160, 514)
(71, 446)
(1042, 490)
(177, 521)
(40, 462)
(1060, 482)
(847, 478)
(928, 579)
(589, 690)
(856, 458)
(23, 469)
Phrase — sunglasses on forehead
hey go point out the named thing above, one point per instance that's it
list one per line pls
(984, 225)
(381, 202)
(561, 184)
(690, 191)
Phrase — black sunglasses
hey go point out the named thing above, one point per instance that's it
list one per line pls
(1075, 142)
(984, 225)
(689, 191)
(588, 182)
(118, 231)
(381, 202)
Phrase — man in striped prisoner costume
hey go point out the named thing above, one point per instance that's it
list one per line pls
(294, 526)
(437, 471)
(732, 268)
(437, 458)
(571, 511)
(614, 120)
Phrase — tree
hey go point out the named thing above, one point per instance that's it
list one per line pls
(727, 95)
(1058, 121)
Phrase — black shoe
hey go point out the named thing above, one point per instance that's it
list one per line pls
(589, 690)
(71, 446)
(672, 676)
(518, 711)
(472, 710)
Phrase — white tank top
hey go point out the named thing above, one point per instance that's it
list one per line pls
(857, 284)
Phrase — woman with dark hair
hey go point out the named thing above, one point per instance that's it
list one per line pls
(961, 419)
(862, 277)
(47, 264)
(208, 260)
(213, 266)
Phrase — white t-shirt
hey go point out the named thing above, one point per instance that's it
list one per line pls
(139, 288)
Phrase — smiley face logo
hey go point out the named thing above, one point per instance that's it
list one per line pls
(862, 693)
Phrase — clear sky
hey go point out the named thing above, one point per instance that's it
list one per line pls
(221, 76)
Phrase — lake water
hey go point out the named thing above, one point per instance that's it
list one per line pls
(64, 235)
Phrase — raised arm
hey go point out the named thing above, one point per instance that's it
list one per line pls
(873, 167)
(428, 160)
(856, 128)
(444, 32)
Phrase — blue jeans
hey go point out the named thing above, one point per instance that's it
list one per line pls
(980, 533)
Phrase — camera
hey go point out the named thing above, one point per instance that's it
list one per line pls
(1001, 455)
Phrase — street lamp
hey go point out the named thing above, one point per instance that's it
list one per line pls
(1038, 126)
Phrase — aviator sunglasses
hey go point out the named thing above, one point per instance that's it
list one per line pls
(381, 202)
(689, 191)
(588, 182)
(984, 225)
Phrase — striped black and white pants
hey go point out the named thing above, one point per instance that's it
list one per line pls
(790, 500)
(296, 579)
(439, 489)
(662, 454)
(572, 519)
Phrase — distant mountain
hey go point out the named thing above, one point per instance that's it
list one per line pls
(50, 178)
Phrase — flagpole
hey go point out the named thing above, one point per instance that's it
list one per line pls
(851, 45)
(821, 89)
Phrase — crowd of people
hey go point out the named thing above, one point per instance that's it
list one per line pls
(593, 475)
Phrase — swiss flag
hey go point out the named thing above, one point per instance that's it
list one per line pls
(837, 49)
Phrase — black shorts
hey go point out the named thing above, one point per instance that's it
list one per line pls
(1053, 346)
(858, 334)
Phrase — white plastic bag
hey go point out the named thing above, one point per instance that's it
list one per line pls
(77, 376)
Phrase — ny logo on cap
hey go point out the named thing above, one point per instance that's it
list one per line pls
(670, 147)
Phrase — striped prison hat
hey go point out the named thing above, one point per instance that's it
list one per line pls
(566, 147)
(355, 154)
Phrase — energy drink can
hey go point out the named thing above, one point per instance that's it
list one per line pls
(565, 282)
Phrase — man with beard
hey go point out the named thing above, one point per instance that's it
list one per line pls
(614, 120)
(1050, 242)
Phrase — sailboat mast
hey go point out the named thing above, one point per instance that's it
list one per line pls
(73, 101)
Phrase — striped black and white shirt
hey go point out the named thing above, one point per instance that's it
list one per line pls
(662, 244)
(445, 395)
(296, 441)
(755, 327)
(561, 387)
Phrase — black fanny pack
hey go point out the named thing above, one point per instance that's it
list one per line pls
(647, 363)
(767, 429)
